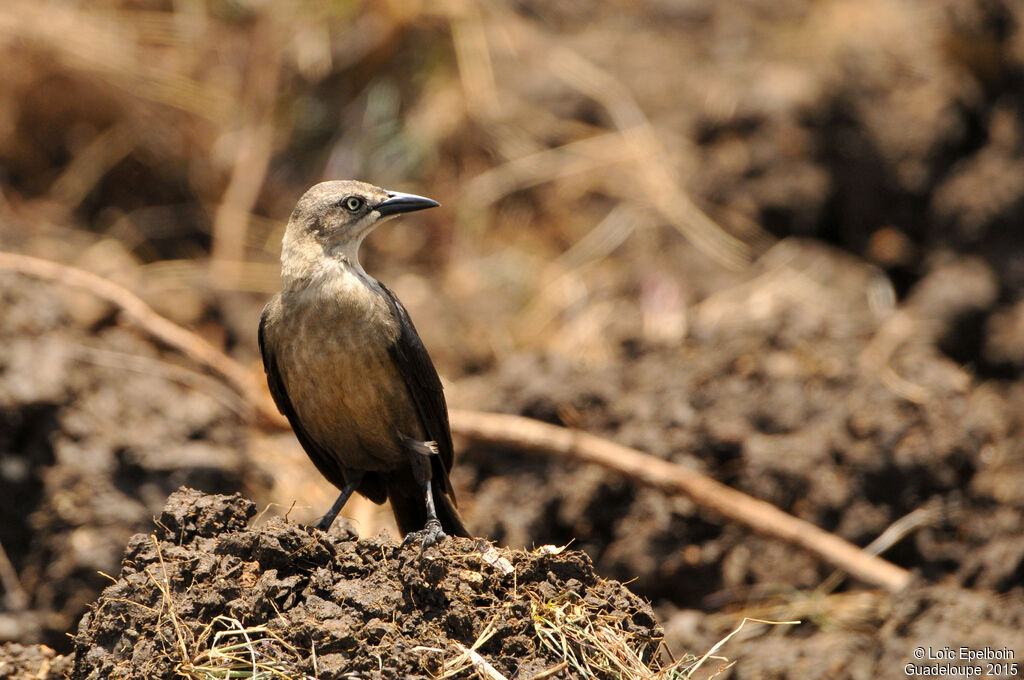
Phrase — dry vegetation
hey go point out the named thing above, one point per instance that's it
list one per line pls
(183, 138)
(621, 184)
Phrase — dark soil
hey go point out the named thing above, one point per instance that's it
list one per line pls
(97, 427)
(32, 662)
(866, 635)
(792, 407)
(332, 606)
(793, 410)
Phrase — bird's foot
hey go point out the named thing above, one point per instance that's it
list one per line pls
(429, 535)
(325, 523)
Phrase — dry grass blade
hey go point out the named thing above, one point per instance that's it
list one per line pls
(718, 645)
(89, 166)
(15, 597)
(617, 226)
(876, 356)
(180, 631)
(635, 139)
(237, 651)
(657, 177)
(892, 535)
(99, 42)
(468, 657)
(554, 670)
(573, 158)
(597, 645)
(474, 59)
(480, 664)
(594, 644)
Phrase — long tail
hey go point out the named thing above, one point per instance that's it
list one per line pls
(410, 507)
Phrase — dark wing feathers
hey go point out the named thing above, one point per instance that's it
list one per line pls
(325, 463)
(427, 394)
(420, 376)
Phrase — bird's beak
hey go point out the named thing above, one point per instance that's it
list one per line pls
(402, 203)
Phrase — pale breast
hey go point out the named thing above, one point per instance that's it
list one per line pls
(333, 356)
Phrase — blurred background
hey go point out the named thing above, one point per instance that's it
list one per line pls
(780, 242)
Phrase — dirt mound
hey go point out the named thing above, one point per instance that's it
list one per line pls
(206, 592)
(32, 662)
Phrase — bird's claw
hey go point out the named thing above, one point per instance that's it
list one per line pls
(429, 535)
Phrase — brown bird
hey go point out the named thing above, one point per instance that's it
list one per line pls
(347, 368)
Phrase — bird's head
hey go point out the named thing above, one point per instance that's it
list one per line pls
(333, 218)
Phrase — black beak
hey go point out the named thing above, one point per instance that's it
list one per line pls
(402, 203)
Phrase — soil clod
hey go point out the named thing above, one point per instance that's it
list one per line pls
(205, 591)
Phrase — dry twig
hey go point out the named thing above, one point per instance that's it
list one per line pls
(15, 597)
(241, 379)
(763, 517)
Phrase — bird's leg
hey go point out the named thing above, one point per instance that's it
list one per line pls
(328, 519)
(420, 454)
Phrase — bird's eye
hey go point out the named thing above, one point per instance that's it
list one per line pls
(353, 203)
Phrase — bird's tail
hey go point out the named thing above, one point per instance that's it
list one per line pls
(411, 508)
(451, 520)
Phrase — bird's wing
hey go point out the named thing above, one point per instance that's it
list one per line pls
(420, 376)
(325, 463)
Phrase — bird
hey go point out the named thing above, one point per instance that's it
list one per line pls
(347, 368)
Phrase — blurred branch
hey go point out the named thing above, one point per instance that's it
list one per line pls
(474, 59)
(893, 534)
(876, 357)
(15, 597)
(594, 246)
(252, 158)
(242, 379)
(576, 157)
(658, 179)
(89, 165)
(634, 138)
(531, 435)
(106, 44)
